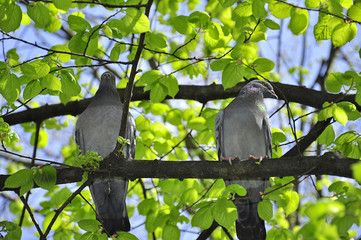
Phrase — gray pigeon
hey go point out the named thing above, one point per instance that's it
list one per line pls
(242, 130)
(97, 130)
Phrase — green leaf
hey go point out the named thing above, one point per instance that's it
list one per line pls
(32, 89)
(339, 187)
(299, 21)
(358, 97)
(25, 19)
(170, 232)
(244, 9)
(26, 188)
(278, 136)
(62, 4)
(158, 92)
(189, 196)
(271, 24)
(280, 10)
(78, 24)
(339, 114)
(10, 17)
(39, 13)
(203, 218)
(155, 40)
(146, 206)
(263, 65)
(347, 3)
(13, 231)
(115, 52)
(327, 136)
(89, 225)
(55, 24)
(172, 84)
(18, 179)
(181, 25)
(236, 188)
(350, 109)
(63, 57)
(148, 79)
(312, 3)
(343, 33)
(232, 74)
(135, 21)
(220, 64)
(291, 200)
(323, 208)
(244, 51)
(200, 19)
(197, 123)
(174, 117)
(107, 31)
(45, 177)
(51, 82)
(265, 210)
(118, 28)
(354, 12)
(344, 224)
(335, 8)
(69, 85)
(162, 147)
(334, 82)
(227, 3)
(35, 70)
(10, 87)
(126, 236)
(224, 212)
(325, 25)
(326, 112)
(258, 9)
(356, 171)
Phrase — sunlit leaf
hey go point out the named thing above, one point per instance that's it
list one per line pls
(265, 210)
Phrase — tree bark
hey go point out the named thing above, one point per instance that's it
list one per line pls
(327, 164)
(202, 94)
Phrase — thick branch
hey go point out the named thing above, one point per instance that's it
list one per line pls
(307, 140)
(202, 94)
(327, 164)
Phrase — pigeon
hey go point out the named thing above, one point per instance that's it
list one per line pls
(242, 130)
(97, 129)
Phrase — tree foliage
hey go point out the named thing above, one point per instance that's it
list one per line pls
(54, 51)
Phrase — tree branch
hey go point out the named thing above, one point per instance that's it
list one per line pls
(327, 164)
(130, 85)
(307, 140)
(202, 94)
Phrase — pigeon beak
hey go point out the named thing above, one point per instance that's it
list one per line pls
(273, 95)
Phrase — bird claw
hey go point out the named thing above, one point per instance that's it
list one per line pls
(259, 159)
(230, 159)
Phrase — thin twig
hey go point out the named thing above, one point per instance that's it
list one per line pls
(36, 142)
(63, 52)
(26, 206)
(58, 211)
(100, 26)
(36, 159)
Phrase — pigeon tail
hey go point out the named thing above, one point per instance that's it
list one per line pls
(109, 197)
(249, 225)
(114, 225)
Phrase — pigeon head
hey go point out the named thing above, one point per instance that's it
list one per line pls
(107, 79)
(107, 90)
(259, 87)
